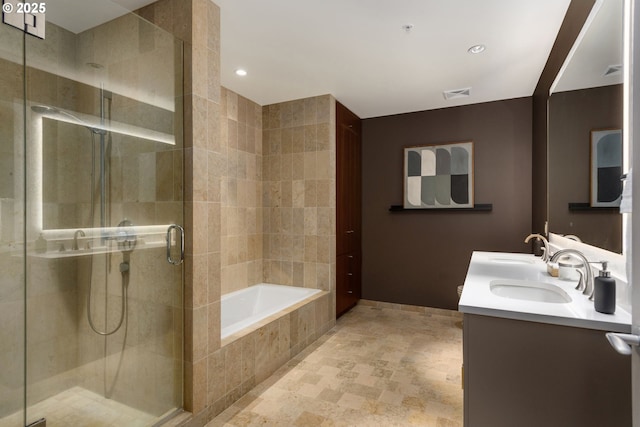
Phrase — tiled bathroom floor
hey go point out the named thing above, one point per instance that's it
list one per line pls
(377, 367)
(80, 407)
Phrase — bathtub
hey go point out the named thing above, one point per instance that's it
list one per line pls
(243, 308)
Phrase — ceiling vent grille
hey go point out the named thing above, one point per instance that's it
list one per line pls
(612, 70)
(457, 93)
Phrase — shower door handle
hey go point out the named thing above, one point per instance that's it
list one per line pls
(180, 236)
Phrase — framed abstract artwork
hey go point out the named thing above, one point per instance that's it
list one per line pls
(438, 176)
(606, 167)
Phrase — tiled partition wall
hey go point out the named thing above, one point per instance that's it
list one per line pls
(197, 23)
(241, 191)
(215, 376)
(299, 192)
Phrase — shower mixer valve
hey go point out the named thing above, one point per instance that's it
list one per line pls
(124, 267)
(125, 236)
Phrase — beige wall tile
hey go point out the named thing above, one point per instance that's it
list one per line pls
(248, 357)
(213, 327)
(233, 365)
(196, 274)
(199, 381)
(196, 224)
(214, 226)
(200, 181)
(310, 165)
(215, 376)
(214, 278)
(200, 333)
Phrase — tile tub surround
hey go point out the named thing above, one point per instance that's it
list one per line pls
(378, 366)
(253, 354)
(477, 297)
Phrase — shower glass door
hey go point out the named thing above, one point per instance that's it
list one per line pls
(92, 191)
(12, 253)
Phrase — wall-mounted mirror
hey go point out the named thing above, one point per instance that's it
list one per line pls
(585, 106)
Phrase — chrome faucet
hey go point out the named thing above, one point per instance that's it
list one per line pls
(545, 243)
(75, 239)
(588, 276)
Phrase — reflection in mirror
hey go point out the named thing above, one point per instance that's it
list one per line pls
(587, 96)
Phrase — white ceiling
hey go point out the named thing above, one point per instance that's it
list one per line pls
(80, 15)
(357, 50)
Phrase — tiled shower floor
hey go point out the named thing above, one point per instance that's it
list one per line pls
(377, 367)
(78, 407)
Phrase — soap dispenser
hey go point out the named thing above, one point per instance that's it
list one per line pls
(604, 291)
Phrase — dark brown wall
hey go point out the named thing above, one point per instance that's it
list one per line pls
(572, 117)
(420, 257)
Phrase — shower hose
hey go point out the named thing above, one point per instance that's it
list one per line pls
(124, 265)
(124, 273)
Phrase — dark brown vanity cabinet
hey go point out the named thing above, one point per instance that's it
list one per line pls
(348, 209)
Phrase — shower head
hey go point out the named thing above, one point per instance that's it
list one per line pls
(44, 109)
(53, 112)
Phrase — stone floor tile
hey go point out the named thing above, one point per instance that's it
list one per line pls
(379, 366)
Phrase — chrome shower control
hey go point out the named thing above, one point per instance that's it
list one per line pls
(126, 238)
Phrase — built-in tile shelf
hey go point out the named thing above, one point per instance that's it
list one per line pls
(586, 206)
(484, 207)
(69, 253)
(94, 241)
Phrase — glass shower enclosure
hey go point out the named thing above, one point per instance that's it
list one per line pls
(91, 203)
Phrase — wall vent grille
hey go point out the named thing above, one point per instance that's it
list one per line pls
(457, 93)
(612, 70)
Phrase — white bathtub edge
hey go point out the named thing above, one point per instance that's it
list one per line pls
(259, 324)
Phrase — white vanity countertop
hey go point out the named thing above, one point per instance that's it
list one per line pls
(477, 297)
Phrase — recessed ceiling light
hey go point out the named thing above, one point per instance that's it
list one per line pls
(476, 49)
(241, 72)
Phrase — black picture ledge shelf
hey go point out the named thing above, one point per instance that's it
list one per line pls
(485, 207)
(582, 206)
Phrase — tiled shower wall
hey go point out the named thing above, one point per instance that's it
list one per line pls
(241, 191)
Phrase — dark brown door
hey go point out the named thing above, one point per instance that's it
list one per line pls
(348, 209)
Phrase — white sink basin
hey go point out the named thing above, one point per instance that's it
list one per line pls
(529, 291)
